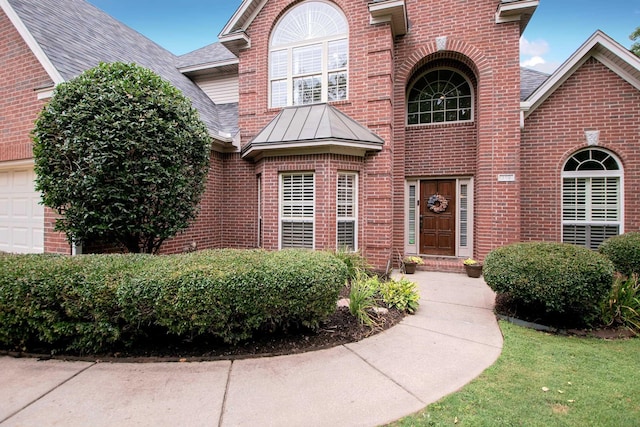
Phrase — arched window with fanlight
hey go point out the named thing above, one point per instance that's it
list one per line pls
(308, 56)
(439, 96)
(591, 198)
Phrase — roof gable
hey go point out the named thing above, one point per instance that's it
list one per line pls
(72, 36)
(235, 37)
(599, 46)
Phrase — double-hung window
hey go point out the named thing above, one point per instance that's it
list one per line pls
(297, 210)
(347, 203)
(591, 198)
(308, 56)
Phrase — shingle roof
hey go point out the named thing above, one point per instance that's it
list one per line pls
(215, 52)
(76, 36)
(530, 80)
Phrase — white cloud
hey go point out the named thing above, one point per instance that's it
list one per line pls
(532, 56)
(534, 48)
(546, 67)
(533, 61)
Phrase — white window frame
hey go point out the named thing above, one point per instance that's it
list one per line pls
(412, 227)
(354, 208)
(588, 176)
(260, 218)
(323, 73)
(304, 204)
(463, 250)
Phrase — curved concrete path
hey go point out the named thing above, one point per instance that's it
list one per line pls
(452, 338)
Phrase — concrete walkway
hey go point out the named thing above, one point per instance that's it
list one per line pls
(450, 340)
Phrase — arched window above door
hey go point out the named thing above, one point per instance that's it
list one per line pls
(439, 96)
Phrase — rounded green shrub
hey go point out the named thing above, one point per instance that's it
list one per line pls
(564, 280)
(95, 303)
(122, 156)
(624, 252)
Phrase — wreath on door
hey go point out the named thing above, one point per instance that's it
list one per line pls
(437, 203)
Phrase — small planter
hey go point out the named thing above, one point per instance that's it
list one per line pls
(410, 267)
(473, 270)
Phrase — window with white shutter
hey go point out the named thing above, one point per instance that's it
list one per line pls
(591, 198)
(297, 208)
(347, 204)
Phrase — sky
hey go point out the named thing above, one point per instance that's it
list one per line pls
(557, 29)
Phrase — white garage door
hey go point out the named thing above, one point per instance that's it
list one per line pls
(21, 215)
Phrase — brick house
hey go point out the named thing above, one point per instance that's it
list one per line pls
(390, 127)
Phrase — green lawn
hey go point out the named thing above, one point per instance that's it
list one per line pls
(547, 380)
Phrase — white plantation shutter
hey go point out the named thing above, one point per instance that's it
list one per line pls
(574, 199)
(591, 198)
(412, 214)
(346, 211)
(604, 199)
(297, 209)
(463, 207)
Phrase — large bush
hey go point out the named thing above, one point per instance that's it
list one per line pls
(559, 279)
(122, 156)
(624, 252)
(98, 302)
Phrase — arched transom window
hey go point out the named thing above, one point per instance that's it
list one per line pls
(308, 56)
(439, 96)
(591, 198)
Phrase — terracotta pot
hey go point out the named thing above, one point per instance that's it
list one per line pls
(410, 267)
(473, 270)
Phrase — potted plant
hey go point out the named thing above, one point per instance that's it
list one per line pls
(410, 263)
(472, 267)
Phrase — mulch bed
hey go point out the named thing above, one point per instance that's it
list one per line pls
(340, 328)
(532, 318)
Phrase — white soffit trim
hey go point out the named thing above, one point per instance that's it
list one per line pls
(31, 42)
(513, 10)
(233, 34)
(599, 46)
(394, 12)
(209, 66)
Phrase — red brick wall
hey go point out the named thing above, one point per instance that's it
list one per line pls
(21, 74)
(380, 68)
(54, 242)
(487, 147)
(370, 103)
(593, 98)
(240, 207)
(326, 168)
(206, 230)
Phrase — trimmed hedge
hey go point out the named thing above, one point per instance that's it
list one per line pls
(560, 279)
(624, 252)
(93, 303)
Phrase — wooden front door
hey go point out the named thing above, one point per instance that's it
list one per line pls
(438, 229)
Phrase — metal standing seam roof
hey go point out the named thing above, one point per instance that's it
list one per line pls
(76, 36)
(313, 123)
(318, 124)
